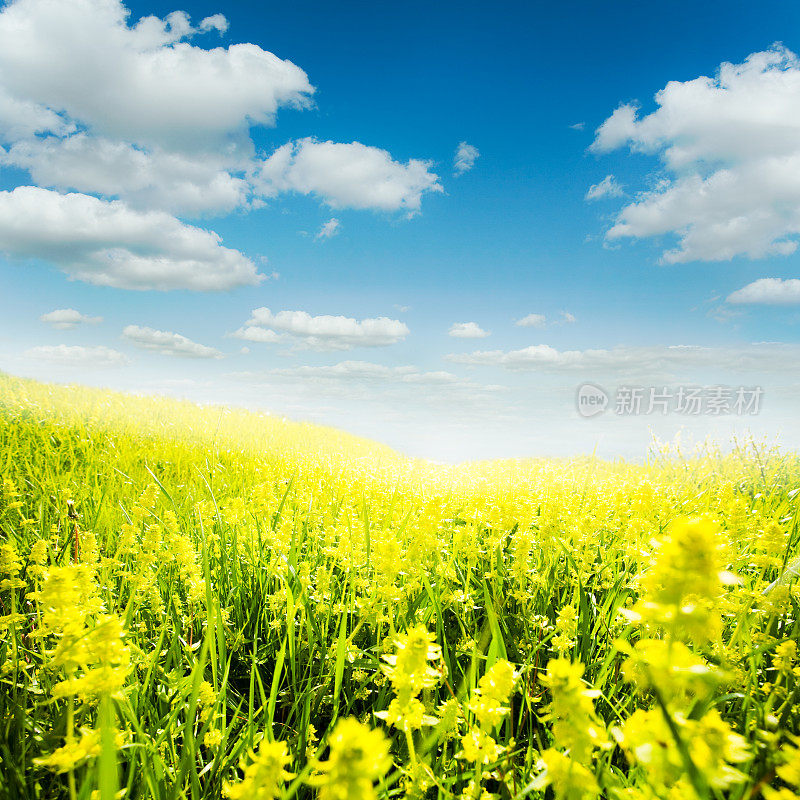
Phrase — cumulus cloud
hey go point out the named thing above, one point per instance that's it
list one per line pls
(142, 82)
(347, 176)
(252, 333)
(464, 159)
(168, 343)
(323, 332)
(731, 148)
(93, 100)
(76, 356)
(23, 118)
(328, 229)
(769, 292)
(216, 22)
(532, 321)
(68, 318)
(763, 357)
(152, 178)
(467, 330)
(109, 244)
(608, 187)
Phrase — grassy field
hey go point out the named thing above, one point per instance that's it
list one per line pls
(200, 602)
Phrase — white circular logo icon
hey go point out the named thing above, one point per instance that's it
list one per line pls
(591, 400)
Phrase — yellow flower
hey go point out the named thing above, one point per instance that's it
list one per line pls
(264, 776)
(206, 699)
(779, 794)
(685, 581)
(409, 717)
(498, 682)
(789, 770)
(8, 620)
(647, 740)
(488, 711)
(9, 560)
(570, 780)
(38, 558)
(67, 598)
(671, 667)
(785, 655)
(409, 673)
(409, 668)
(212, 738)
(479, 748)
(358, 757)
(74, 753)
(68, 602)
(566, 629)
(494, 689)
(575, 726)
(449, 717)
(715, 747)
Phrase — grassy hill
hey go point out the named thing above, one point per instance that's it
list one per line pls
(198, 601)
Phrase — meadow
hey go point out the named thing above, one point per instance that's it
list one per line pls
(198, 602)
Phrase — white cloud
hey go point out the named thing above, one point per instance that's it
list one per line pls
(109, 244)
(143, 82)
(76, 356)
(608, 187)
(768, 291)
(467, 330)
(640, 361)
(464, 159)
(98, 102)
(347, 370)
(532, 321)
(153, 178)
(731, 145)
(347, 176)
(68, 318)
(252, 333)
(540, 320)
(366, 372)
(325, 332)
(216, 22)
(22, 118)
(328, 229)
(168, 343)
(133, 110)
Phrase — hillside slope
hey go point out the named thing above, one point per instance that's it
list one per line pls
(183, 588)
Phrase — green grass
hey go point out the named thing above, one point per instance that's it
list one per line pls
(298, 556)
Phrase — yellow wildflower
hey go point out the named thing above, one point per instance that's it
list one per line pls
(73, 753)
(570, 780)
(264, 776)
(358, 757)
(575, 725)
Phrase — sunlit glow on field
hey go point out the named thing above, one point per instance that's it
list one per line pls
(198, 602)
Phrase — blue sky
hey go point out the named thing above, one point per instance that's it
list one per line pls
(125, 143)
